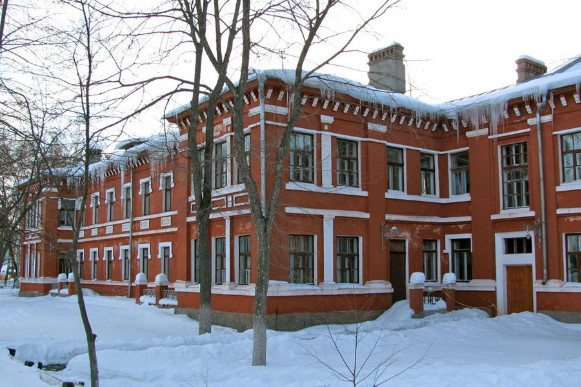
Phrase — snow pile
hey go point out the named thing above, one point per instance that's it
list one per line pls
(141, 345)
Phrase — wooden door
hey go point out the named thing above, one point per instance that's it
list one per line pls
(519, 288)
(397, 274)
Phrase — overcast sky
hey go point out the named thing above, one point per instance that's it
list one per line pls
(457, 48)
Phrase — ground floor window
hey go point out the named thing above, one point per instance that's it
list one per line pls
(195, 262)
(573, 242)
(220, 264)
(244, 259)
(125, 264)
(430, 256)
(64, 264)
(347, 259)
(165, 256)
(109, 264)
(301, 259)
(462, 259)
(144, 261)
(81, 263)
(94, 259)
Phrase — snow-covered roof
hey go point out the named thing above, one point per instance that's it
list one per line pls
(491, 105)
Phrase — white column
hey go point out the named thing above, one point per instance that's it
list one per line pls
(328, 249)
(227, 247)
(326, 160)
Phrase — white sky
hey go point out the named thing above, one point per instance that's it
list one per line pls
(457, 48)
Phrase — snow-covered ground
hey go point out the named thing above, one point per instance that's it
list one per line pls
(141, 345)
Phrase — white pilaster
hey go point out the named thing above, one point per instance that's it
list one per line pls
(326, 160)
(328, 249)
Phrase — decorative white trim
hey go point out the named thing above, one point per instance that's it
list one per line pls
(377, 127)
(162, 176)
(516, 132)
(398, 195)
(143, 246)
(428, 219)
(569, 186)
(107, 192)
(141, 182)
(515, 213)
(567, 211)
(160, 247)
(111, 249)
(547, 118)
(327, 119)
(340, 190)
(140, 233)
(268, 109)
(477, 133)
(94, 257)
(324, 212)
(566, 131)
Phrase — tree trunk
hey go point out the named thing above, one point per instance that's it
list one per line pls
(260, 298)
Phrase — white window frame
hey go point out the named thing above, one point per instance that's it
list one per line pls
(448, 242)
(124, 198)
(193, 262)
(110, 203)
(451, 176)
(315, 160)
(112, 250)
(214, 239)
(501, 178)
(359, 175)
(140, 247)
(160, 248)
(360, 258)
(95, 199)
(161, 188)
(405, 179)
(568, 185)
(142, 194)
(436, 193)
(237, 257)
(438, 258)
(227, 161)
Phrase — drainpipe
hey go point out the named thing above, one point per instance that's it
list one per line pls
(543, 230)
(260, 76)
(130, 235)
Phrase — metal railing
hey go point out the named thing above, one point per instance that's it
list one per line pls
(170, 295)
(149, 292)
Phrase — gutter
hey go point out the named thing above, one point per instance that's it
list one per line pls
(543, 230)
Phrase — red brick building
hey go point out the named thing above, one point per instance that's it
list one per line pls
(378, 186)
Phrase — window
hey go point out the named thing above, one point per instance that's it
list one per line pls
(347, 163)
(95, 202)
(220, 264)
(110, 200)
(195, 262)
(33, 215)
(430, 259)
(94, 259)
(126, 201)
(459, 173)
(64, 264)
(109, 263)
(301, 259)
(244, 260)
(145, 192)
(571, 156)
(348, 260)
(462, 259)
(247, 156)
(301, 159)
(166, 188)
(518, 246)
(67, 212)
(125, 263)
(428, 174)
(515, 176)
(573, 242)
(144, 259)
(220, 165)
(81, 263)
(164, 253)
(395, 169)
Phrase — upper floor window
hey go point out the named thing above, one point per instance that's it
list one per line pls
(33, 215)
(220, 165)
(166, 185)
(348, 260)
(246, 156)
(301, 155)
(428, 173)
(395, 169)
(110, 200)
(95, 202)
(145, 192)
(430, 259)
(573, 242)
(347, 163)
(301, 259)
(459, 173)
(462, 259)
(126, 201)
(67, 212)
(571, 156)
(515, 175)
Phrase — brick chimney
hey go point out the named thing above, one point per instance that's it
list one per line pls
(94, 155)
(529, 68)
(386, 68)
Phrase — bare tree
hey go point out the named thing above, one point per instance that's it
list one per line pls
(308, 18)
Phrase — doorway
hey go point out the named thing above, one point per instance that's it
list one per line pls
(397, 268)
(519, 289)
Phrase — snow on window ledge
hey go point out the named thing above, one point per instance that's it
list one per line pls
(570, 186)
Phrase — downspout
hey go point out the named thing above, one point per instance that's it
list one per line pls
(260, 76)
(543, 230)
(130, 235)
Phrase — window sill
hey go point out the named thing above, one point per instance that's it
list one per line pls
(571, 186)
(341, 190)
(513, 213)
